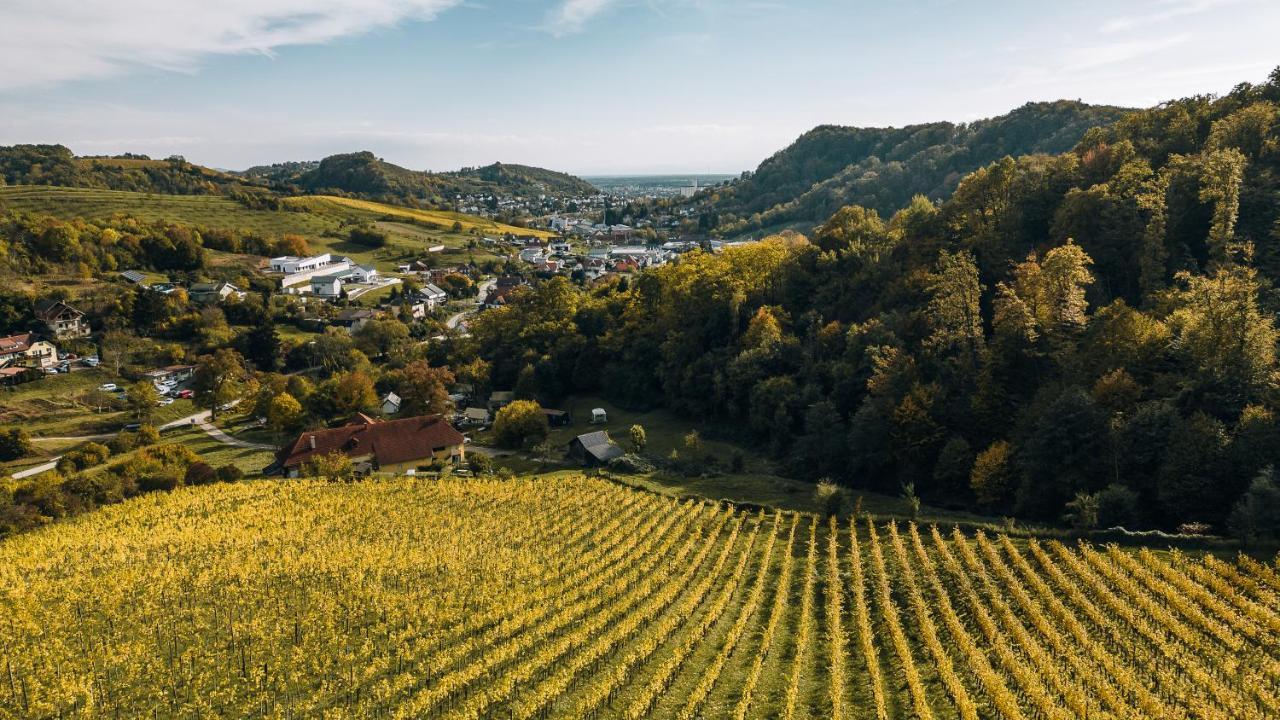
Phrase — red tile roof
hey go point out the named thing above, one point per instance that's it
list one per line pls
(389, 441)
(15, 343)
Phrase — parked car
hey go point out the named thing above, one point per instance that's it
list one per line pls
(165, 401)
(108, 387)
(91, 361)
(186, 394)
(51, 371)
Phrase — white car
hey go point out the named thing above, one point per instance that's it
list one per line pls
(108, 387)
(165, 401)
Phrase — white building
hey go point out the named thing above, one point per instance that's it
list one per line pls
(290, 264)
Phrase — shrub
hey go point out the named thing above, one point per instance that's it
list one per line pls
(160, 478)
(480, 463)
(638, 438)
(992, 476)
(367, 236)
(829, 497)
(85, 456)
(122, 443)
(631, 464)
(148, 435)
(200, 473)
(1117, 505)
(229, 473)
(14, 443)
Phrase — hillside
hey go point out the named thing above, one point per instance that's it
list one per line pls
(57, 165)
(882, 168)
(365, 175)
(577, 598)
(1085, 338)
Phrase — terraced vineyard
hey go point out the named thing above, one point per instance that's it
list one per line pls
(581, 599)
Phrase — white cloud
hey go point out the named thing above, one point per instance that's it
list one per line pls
(1095, 56)
(45, 42)
(572, 15)
(1162, 11)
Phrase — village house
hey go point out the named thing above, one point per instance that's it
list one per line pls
(474, 417)
(24, 350)
(329, 285)
(499, 399)
(355, 318)
(213, 292)
(389, 446)
(170, 374)
(432, 296)
(63, 321)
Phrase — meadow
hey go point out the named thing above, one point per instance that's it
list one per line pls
(579, 598)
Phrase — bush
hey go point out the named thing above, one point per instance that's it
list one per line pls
(85, 456)
(517, 422)
(200, 473)
(14, 443)
(148, 435)
(122, 443)
(229, 473)
(161, 478)
(367, 236)
(1117, 505)
(480, 464)
(829, 497)
(631, 464)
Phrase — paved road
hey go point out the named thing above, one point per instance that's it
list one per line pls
(456, 319)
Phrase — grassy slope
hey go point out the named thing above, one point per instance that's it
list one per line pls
(323, 226)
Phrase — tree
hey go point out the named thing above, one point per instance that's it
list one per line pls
(220, 379)
(1257, 514)
(14, 443)
(353, 392)
(638, 438)
(283, 413)
(1082, 511)
(1221, 173)
(117, 348)
(517, 421)
(992, 477)
(828, 496)
(422, 388)
(262, 347)
(1220, 326)
(142, 398)
(954, 307)
(381, 337)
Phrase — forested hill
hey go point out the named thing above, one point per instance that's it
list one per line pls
(359, 174)
(366, 175)
(882, 168)
(1087, 337)
(57, 165)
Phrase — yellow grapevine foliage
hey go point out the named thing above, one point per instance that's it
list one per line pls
(578, 598)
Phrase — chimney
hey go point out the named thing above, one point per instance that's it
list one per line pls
(312, 441)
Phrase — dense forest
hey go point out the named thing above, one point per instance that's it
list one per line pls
(364, 175)
(883, 168)
(1088, 330)
(359, 174)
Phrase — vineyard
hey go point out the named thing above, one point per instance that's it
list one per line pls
(582, 599)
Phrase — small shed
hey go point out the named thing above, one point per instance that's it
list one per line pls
(599, 416)
(594, 449)
(557, 418)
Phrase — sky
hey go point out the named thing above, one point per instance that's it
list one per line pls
(584, 86)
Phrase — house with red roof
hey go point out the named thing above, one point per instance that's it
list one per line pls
(388, 446)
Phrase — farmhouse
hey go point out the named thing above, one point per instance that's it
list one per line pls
(171, 374)
(62, 320)
(390, 446)
(594, 449)
(355, 318)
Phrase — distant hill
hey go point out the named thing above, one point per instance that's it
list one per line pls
(359, 174)
(57, 165)
(365, 175)
(883, 168)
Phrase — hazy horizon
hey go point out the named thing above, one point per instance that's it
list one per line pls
(590, 87)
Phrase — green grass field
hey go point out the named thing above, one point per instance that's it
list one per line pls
(70, 405)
